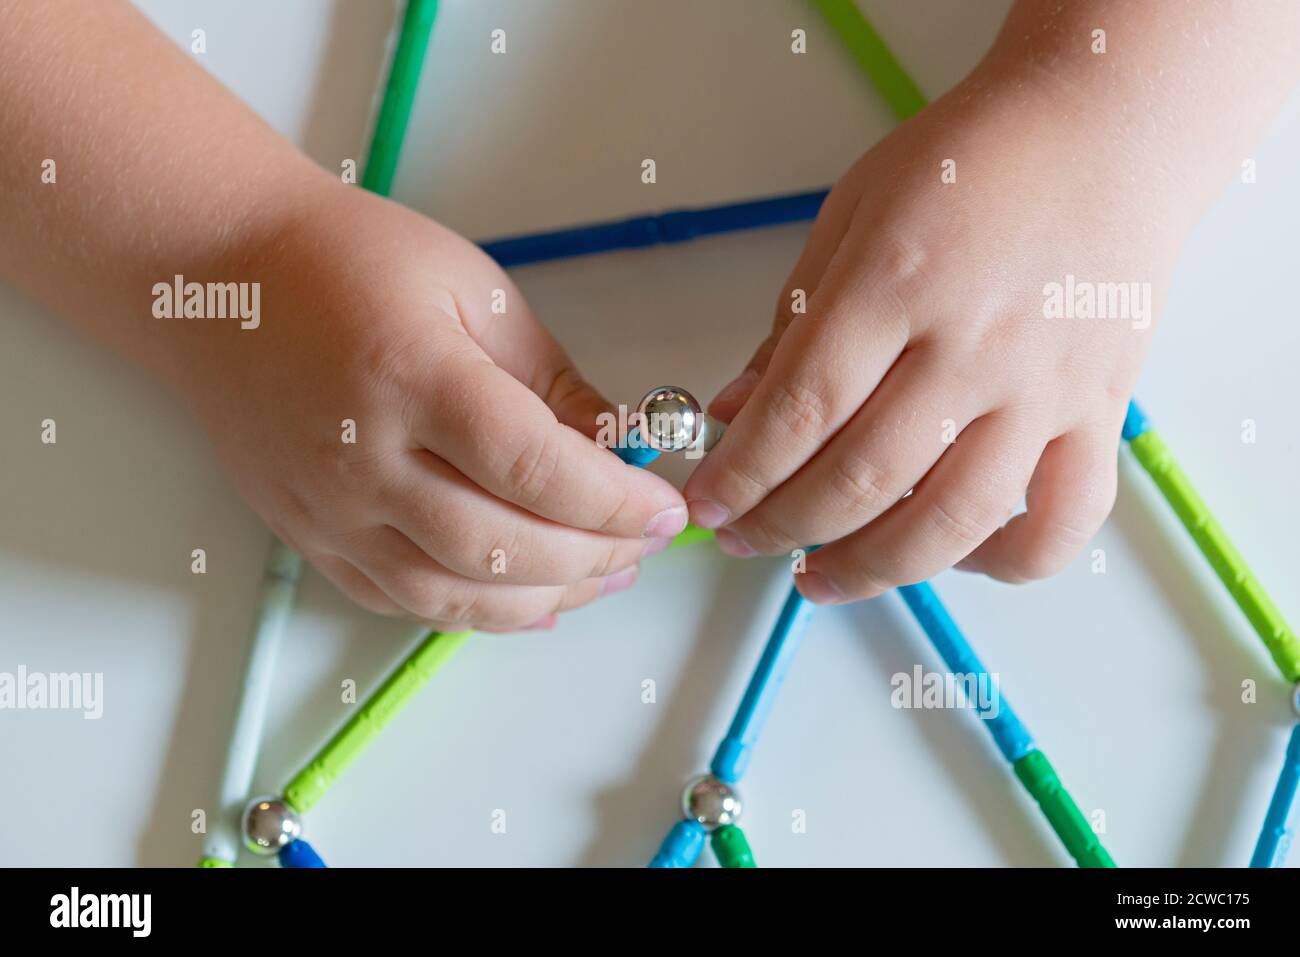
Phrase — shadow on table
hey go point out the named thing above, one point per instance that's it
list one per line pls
(961, 747)
(1227, 645)
(632, 817)
(335, 129)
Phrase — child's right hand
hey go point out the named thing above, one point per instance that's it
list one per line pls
(473, 493)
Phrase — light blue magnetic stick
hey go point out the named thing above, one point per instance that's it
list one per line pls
(669, 419)
(682, 846)
(1135, 422)
(1013, 739)
(1275, 839)
(731, 759)
(634, 450)
(1009, 733)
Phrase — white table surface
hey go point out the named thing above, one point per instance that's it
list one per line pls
(1130, 680)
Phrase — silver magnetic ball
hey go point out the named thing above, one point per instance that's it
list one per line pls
(670, 418)
(710, 802)
(268, 825)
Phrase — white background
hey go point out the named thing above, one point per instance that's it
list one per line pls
(1130, 680)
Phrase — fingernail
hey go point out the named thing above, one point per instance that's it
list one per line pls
(543, 623)
(733, 544)
(817, 588)
(708, 514)
(656, 546)
(737, 389)
(619, 581)
(667, 523)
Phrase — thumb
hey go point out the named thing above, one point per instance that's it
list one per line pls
(572, 398)
(517, 342)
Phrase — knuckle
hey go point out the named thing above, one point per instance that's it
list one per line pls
(900, 261)
(509, 550)
(359, 469)
(421, 594)
(762, 533)
(531, 474)
(565, 384)
(1067, 536)
(460, 604)
(362, 591)
(755, 487)
(963, 522)
(618, 514)
(613, 556)
(1042, 562)
(867, 578)
(801, 408)
(864, 488)
(1058, 545)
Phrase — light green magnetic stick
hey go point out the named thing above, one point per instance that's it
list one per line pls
(309, 784)
(1154, 456)
(406, 680)
(692, 534)
(873, 55)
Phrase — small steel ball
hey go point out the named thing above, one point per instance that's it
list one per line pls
(670, 418)
(269, 824)
(710, 802)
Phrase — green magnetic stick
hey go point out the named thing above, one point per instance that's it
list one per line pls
(399, 95)
(1155, 457)
(730, 847)
(1039, 778)
(873, 55)
(692, 534)
(311, 783)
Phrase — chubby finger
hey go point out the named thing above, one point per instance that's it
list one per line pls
(966, 496)
(356, 585)
(499, 319)
(428, 591)
(827, 232)
(920, 408)
(505, 439)
(1070, 496)
(478, 536)
(825, 366)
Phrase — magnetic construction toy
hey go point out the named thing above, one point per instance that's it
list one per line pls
(670, 420)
